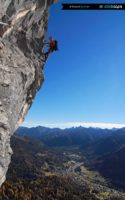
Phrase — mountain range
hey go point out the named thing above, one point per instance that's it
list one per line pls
(65, 137)
(72, 164)
(104, 149)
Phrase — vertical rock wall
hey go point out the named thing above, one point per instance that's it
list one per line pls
(22, 34)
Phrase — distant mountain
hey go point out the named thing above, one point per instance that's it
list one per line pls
(94, 142)
(114, 142)
(67, 137)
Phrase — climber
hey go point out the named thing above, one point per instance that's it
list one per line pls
(53, 46)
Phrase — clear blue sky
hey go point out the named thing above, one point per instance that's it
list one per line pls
(85, 79)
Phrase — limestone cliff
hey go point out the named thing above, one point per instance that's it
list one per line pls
(23, 26)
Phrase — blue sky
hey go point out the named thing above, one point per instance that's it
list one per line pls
(85, 79)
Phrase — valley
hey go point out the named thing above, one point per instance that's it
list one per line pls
(41, 169)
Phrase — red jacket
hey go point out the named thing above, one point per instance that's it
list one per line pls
(52, 43)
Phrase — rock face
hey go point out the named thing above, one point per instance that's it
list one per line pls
(22, 35)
